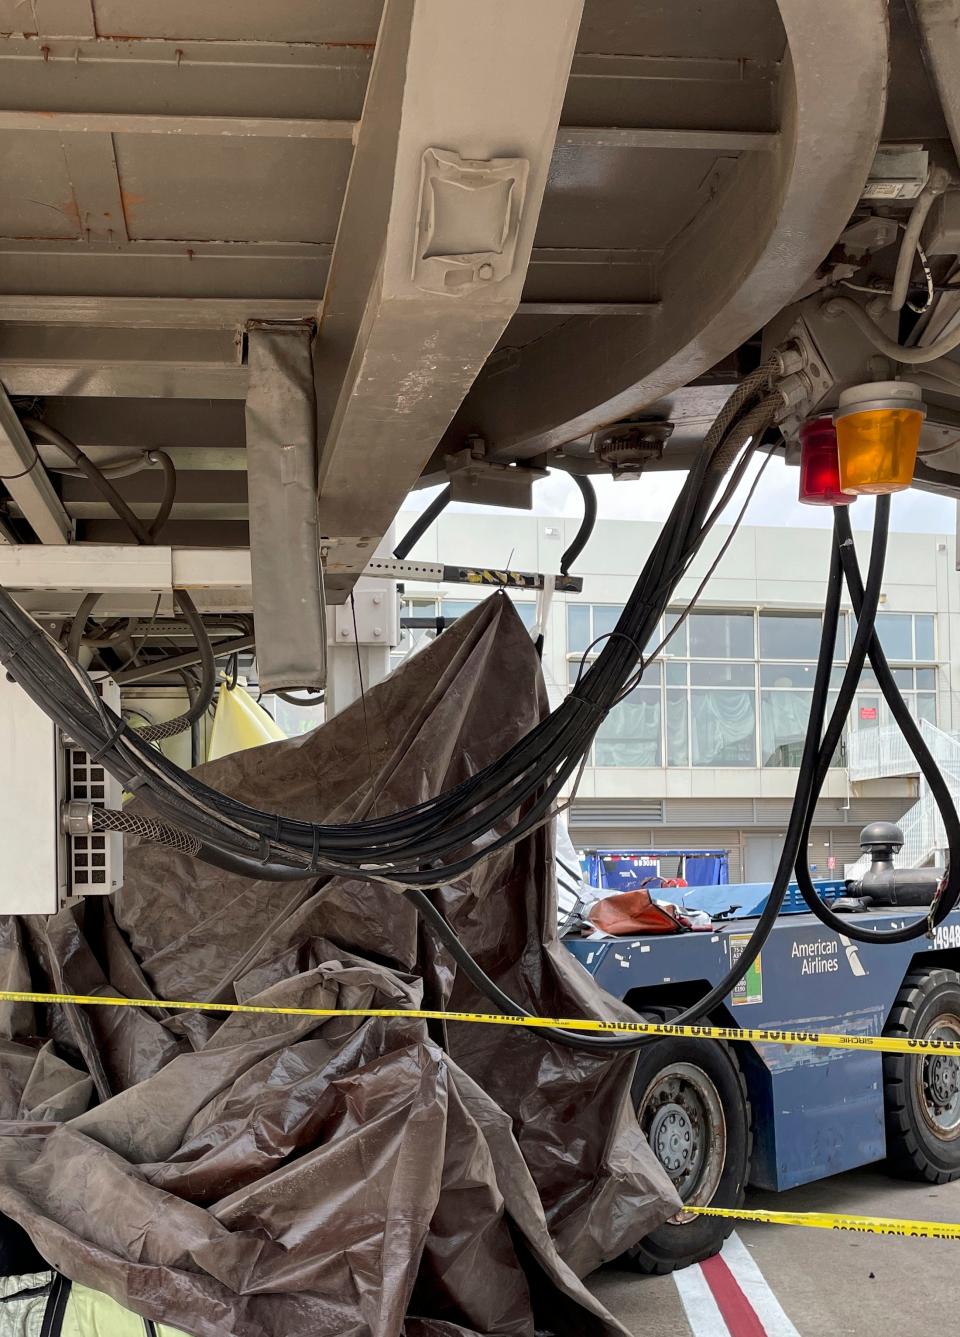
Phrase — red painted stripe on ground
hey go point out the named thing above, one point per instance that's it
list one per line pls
(738, 1313)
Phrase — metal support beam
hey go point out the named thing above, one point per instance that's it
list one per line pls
(638, 137)
(288, 127)
(132, 123)
(266, 280)
(125, 380)
(92, 170)
(435, 236)
(588, 308)
(178, 313)
(221, 650)
(24, 477)
(126, 569)
(230, 313)
(288, 596)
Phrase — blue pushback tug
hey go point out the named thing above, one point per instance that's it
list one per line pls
(775, 1116)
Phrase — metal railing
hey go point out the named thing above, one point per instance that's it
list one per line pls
(875, 753)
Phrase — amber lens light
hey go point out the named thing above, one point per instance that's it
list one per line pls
(878, 449)
(878, 431)
(820, 465)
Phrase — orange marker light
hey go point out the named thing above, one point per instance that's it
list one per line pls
(820, 465)
(878, 430)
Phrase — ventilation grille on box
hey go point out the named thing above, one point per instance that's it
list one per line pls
(89, 854)
(95, 860)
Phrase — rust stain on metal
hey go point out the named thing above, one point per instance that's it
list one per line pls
(71, 209)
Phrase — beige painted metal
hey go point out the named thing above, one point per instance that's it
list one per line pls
(638, 137)
(121, 123)
(26, 480)
(127, 380)
(767, 227)
(395, 356)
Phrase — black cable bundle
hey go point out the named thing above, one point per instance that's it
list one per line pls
(433, 842)
(437, 840)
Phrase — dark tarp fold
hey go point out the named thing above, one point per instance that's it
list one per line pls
(281, 1175)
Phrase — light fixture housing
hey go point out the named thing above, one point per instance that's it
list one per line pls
(878, 431)
(820, 465)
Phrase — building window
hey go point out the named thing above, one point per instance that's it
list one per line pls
(723, 727)
(908, 639)
(413, 639)
(924, 646)
(733, 688)
(632, 734)
(789, 635)
(783, 724)
(721, 635)
(589, 627)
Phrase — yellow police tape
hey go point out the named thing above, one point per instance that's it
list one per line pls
(884, 1044)
(869, 1225)
(861, 1225)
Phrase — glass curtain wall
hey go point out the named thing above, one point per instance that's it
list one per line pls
(733, 687)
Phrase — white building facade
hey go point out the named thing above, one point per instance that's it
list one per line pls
(703, 754)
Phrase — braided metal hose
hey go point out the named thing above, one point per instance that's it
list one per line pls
(761, 379)
(754, 422)
(158, 833)
(152, 733)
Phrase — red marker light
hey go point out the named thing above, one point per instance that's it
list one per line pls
(820, 465)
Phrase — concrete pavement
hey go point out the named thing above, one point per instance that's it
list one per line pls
(827, 1284)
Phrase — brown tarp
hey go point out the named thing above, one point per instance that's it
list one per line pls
(261, 1176)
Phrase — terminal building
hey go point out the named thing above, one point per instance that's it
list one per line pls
(704, 753)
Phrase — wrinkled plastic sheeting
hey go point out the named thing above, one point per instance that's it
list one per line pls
(287, 1175)
(238, 723)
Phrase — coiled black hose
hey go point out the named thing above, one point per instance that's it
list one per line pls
(771, 911)
(146, 535)
(433, 841)
(950, 893)
(90, 471)
(443, 822)
(582, 536)
(422, 524)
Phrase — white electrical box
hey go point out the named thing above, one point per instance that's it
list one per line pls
(40, 865)
(33, 873)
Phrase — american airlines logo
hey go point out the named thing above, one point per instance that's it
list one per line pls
(853, 957)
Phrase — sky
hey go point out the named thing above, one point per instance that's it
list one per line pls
(774, 502)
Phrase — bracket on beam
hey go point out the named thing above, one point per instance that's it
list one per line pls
(23, 475)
